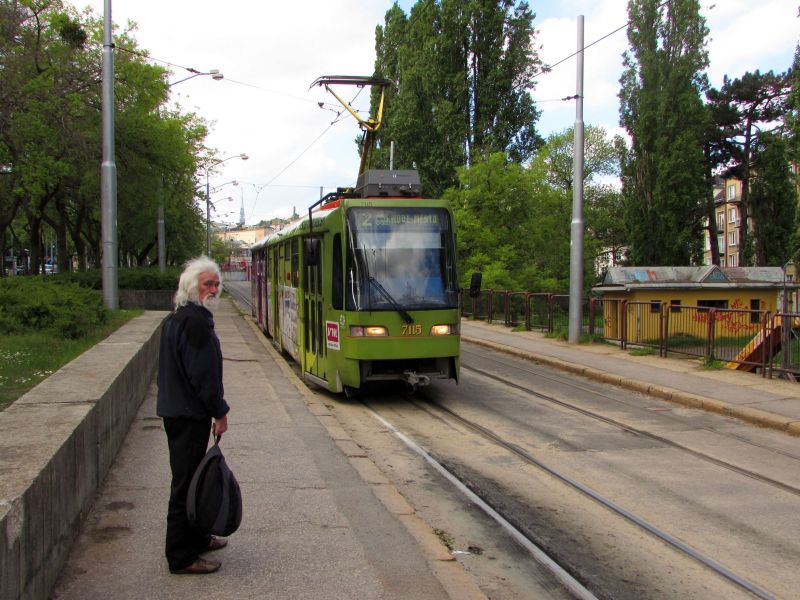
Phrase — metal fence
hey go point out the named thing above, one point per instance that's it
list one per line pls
(751, 340)
(784, 345)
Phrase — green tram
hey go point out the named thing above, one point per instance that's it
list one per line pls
(364, 288)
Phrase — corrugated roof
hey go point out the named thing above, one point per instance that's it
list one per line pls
(752, 274)
(693, 277)
(632, 275)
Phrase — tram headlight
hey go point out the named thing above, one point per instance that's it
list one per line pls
(368, 331)
(444, 330)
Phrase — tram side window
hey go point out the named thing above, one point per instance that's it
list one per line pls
(295, 262)
(337, 272)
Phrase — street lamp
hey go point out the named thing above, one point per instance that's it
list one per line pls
(243, 156)
(160, 225)
(213, 73)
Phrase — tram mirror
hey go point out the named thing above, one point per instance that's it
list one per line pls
(312, 257)
(475, 285)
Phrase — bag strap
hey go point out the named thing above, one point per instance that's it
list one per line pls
(222, 516)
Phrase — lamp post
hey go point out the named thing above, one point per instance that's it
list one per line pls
(161, 228)
(108, 170)
(243, 156)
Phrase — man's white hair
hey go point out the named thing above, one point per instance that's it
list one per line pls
(189, 283)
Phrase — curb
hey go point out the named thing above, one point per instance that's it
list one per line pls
(748, 414)
(450, 573)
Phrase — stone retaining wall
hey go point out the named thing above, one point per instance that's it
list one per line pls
(146, 299)
(57, 443)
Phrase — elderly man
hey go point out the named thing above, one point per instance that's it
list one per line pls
(190, 396)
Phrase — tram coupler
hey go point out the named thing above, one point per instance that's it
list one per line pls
(414, 380)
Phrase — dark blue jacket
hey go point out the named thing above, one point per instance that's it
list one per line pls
(190, 366)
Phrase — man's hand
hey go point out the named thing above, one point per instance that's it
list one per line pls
(220, 426)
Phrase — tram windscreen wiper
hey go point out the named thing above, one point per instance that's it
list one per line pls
(406, 317)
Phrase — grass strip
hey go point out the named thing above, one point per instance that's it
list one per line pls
(26, 359)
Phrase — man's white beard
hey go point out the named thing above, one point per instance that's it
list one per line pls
(211, 302)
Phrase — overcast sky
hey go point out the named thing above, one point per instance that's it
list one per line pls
(270, 53)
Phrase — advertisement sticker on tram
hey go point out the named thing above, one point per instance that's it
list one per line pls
(332, 334)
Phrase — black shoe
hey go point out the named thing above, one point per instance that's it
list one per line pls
(216, 543)
(199, 567)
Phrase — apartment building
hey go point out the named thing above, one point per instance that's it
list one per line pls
(727, 211)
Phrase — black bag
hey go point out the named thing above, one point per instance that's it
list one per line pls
(214, 502)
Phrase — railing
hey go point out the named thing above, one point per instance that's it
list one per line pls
(752, 340)
(642, 325)
(784, 345)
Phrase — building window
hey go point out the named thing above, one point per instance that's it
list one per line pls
(721, 243)
(704, 305)
(675, 306)
(732, 214)
(731, 191)
(755, 305)
(733, 260)
(733, 238)
(722, 260)
(721, 222)
(655, 306)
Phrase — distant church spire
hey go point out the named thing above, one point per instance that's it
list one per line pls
(241, 213)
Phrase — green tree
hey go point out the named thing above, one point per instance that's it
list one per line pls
(50, 135)
(464, 71)
(773, 201)
(749, 105)
(792, 116)
(512, 226)
(663, 174)
(603, 211)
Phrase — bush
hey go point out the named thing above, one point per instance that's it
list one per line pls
(29, 304)
(144, 278)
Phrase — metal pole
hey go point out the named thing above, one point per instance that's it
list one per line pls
(391, 155)
(108, 170)
(576, 228)
(162, 234)
(208, 217)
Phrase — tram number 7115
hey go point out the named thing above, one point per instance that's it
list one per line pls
(413, 329)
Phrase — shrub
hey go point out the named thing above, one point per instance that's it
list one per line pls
(144, 278)
(30, 304)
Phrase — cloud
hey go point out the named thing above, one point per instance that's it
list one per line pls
(744, 36)
(270, 52)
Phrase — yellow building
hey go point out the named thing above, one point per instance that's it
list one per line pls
(680, 298)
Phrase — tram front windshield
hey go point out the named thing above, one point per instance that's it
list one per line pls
(400, 258)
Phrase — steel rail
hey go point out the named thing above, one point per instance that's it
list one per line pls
(640, 432)
(614, 507)
(572, 584)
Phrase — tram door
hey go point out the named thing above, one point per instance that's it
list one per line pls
(313, 308)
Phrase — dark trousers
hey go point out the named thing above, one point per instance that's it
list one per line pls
(188, 441)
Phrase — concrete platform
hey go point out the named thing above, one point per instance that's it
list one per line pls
(320, 520)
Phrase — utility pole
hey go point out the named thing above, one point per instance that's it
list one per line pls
(162, 236)
(576, 227)
(108, 170)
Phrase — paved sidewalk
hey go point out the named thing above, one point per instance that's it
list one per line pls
(770, 403)
(320, 520)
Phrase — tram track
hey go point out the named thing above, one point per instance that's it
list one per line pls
(464, 477)
(633, 430)
(571, 383)
(642, 523)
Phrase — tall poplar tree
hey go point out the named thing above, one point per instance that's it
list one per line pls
(663, 174)
(464, 71)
